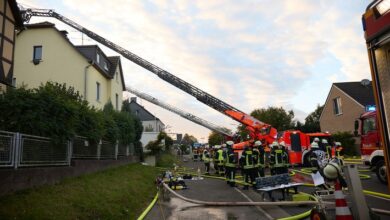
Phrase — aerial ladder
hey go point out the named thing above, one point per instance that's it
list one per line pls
(186, 115)
(257, 129)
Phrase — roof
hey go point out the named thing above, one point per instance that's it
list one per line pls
(143, 115)
(362, 94)
(114, 61)
(16, 12)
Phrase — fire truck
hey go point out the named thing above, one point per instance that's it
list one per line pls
(298, 144)
(371, 146)
(376, 26)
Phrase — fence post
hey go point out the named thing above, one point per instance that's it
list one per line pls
(116, 149)
(99, 148)
(127, 150)
(70, 151)
(17, 149)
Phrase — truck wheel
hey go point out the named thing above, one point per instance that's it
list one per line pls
(381, 171)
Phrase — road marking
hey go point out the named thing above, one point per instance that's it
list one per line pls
(257, 207)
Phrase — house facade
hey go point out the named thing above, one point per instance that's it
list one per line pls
(150, 122)
(43, 53)
(152, 125)
(10, 20)
(345, 103)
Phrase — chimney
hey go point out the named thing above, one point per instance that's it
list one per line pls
(133, 99)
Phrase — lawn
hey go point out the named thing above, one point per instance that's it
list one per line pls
(117, 193)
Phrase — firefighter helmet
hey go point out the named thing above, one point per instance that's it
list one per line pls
(332, 171)
(324, 141)
(257, 143)
(229, 143)
(283, 144)
(314, 145)
(316, 139)
(337, 143)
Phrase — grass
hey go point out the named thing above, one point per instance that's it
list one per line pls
(166, 160)
(118, 193)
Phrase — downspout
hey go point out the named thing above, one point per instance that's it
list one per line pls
(85, 78)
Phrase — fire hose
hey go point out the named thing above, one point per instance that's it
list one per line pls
(212, 203)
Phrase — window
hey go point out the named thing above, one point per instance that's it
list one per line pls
(137, 112)
(97, 91)
(337, 106)
(105, 66)
(369, 125)
(116, 101)
(37, 56)
(97, 58)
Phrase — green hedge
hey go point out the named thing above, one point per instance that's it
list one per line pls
(59, 112)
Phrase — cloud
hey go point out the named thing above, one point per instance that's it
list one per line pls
(250, 54)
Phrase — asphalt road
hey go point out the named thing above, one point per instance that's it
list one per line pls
(210, 189)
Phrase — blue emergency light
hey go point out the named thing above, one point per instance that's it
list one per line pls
(370, 108)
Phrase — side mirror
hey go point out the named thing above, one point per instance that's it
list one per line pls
(356, 128)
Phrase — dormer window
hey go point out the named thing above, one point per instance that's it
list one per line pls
(105, 66)
(97, 58)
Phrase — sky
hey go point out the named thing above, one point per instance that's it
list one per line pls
(250, 54)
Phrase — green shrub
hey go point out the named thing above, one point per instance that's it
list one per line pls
(347, 141)
(59, 112)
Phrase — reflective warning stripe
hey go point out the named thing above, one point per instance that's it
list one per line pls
(343, 211)
(338, 195)
(341, 203)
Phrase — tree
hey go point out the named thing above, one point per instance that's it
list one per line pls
(189, 139)
(215, 138)
(278, 118)
(312, 121)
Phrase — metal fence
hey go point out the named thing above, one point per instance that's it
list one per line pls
(41, 151)
(83, 149)
(6, 149)
(22, 150)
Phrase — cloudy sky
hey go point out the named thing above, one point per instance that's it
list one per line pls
(250, 54)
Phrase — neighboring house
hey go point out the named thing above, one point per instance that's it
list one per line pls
(152, 125)
(150, 122)
(10, 20)
(43, 53)
(345, 103)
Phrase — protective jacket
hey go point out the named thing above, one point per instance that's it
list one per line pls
(279, 158)
(247, 159)
(230, 159)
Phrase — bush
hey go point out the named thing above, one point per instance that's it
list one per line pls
(347, 141)
(59, 112)
(166, 160)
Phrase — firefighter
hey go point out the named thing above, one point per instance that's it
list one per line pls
(214, 158)
(272, 147)
(328, 148)
(230, 164)
(282, 145)
(219, 161)
(258, 153)
(316, 157)
(278, 159)
(247, 165)
(206, 159)
(267, 151)
(339, 151)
